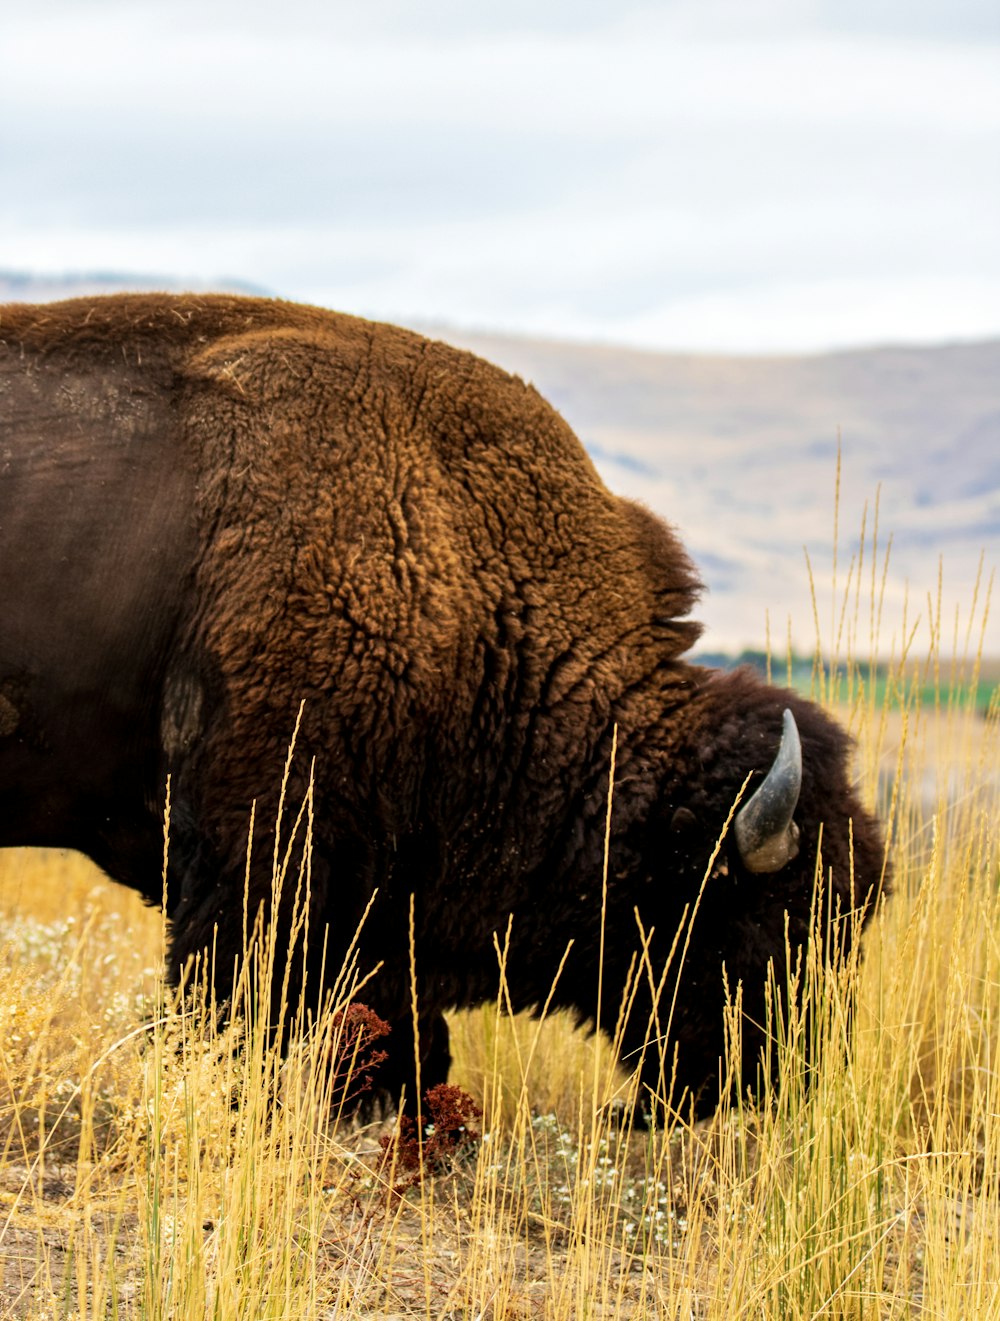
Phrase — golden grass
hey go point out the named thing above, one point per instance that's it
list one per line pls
(151, 1170)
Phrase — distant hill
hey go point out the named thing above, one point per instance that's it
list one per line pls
(740, 453)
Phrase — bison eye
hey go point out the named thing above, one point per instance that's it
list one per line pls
(683, 820)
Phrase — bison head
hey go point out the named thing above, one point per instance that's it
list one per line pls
(756, 842)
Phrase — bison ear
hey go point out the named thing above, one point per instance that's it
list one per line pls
(766, 835)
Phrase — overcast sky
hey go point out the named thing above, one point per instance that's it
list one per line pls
(703, 174)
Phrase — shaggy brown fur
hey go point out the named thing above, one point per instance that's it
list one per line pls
(217, 508)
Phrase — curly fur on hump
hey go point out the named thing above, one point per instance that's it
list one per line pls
(414, 545)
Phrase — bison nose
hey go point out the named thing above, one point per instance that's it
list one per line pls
(766, 835)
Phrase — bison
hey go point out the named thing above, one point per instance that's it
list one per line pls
(215, 509)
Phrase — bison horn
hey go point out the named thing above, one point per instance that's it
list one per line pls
(765, 832)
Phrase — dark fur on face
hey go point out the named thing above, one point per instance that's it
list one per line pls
(217, 508)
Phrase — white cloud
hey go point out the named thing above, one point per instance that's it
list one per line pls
(565, 168)
(820, 314)
(634, 76)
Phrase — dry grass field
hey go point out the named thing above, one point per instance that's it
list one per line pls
(152, 1167)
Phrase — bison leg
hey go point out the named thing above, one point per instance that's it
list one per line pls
(398, 1071)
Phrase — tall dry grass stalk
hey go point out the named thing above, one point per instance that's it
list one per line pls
(163, 1160)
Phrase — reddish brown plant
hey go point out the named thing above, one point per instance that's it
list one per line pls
(449, 1135)
(355, 1056)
